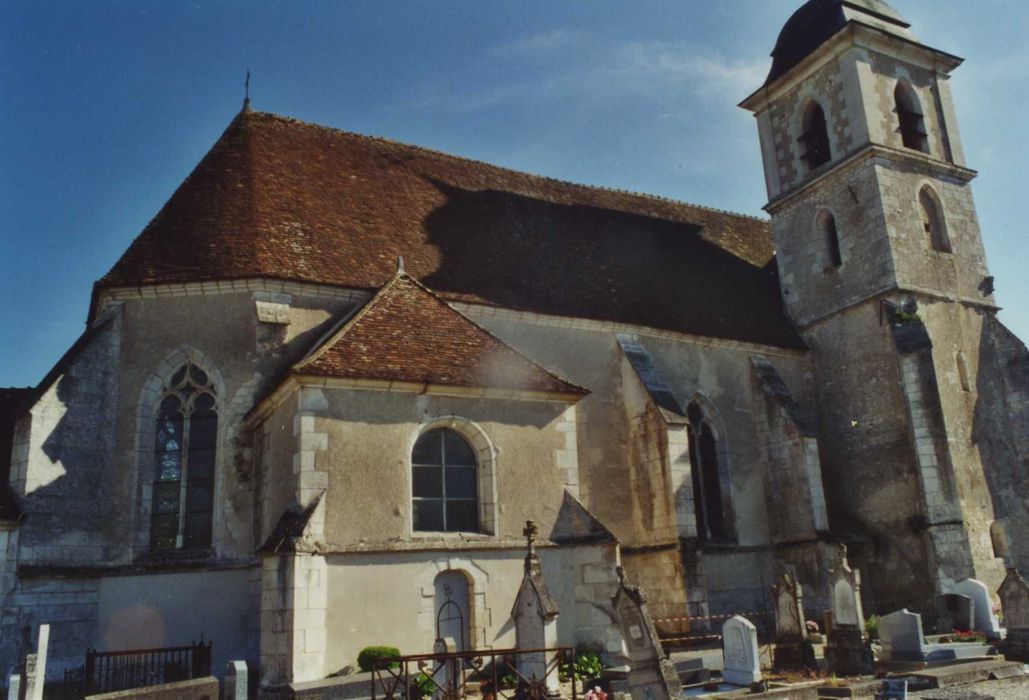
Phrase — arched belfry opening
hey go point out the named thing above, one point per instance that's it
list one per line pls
(909, 116)
(815, 137)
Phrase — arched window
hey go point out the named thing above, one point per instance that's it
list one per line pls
(444, 478)
(815, 139)
(711, 487)
(932, 220)
(830, 239)
(909, 114)
(185, 445)
(959, 360)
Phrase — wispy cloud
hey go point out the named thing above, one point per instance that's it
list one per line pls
(599, 67)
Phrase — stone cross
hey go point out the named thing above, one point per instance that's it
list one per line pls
(740, 661)
(531, 559)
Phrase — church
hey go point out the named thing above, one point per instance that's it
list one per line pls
(321, 393)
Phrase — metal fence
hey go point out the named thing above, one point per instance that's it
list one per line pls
(494, 674)
(107, 671)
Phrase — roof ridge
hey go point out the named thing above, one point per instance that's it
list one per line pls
(476, 161)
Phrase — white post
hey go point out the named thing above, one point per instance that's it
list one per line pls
(236, 680)
(14, 687)
(41, 645)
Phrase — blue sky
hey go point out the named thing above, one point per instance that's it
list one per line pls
(107, 106)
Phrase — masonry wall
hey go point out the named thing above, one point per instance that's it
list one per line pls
(580, 578)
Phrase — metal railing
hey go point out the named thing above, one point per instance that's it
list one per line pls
(107, 671)
(493, 674)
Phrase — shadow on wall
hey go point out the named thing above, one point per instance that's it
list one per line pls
(573, 260)
(1000, 429)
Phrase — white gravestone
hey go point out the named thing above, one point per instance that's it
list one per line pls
(535, 615)
(236, 680)
(740, 662)
(35, 666)
(985, 620)
(14, 686)
(900, 634)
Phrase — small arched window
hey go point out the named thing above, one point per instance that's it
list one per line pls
(932, 220)
(185, 447)
(830, 240)
(711, 486)
(444, 478)
(909, 115)
(962, 366)
(815, 138)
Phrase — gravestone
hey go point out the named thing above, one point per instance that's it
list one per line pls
(1014, 600)
(900, 636)
(535, 615)
(35, 666)
(985, 620)
(846, 653)
(236, 680)
(790, 630)
(651, 674)
(14, 686)
(740, 661)
(956, 612)
(893, 689)
(445, 673)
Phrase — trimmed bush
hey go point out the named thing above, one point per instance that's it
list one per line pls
(369, 655)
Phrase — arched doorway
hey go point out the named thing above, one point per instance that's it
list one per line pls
(452, 608)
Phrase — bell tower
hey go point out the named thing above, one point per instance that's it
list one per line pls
(882, 269)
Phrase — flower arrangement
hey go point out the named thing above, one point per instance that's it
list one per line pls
(596, 694)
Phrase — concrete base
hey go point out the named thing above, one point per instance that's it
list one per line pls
(846, 654)
(1016, 645)
(964, 673)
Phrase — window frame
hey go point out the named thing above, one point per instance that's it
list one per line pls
(445, 469)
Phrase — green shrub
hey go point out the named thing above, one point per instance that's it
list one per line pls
(422, 686)
(872, 627)
(587, 665)
(369, 655)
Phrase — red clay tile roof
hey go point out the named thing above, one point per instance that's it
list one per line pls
(406, 333)
(283, 199)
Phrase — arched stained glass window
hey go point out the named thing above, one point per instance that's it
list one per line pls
(444, 478)
(185, 447)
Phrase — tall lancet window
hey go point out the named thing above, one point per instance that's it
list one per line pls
(932, 220)
(184, 456)
(711, 486)
(909, 115)
(830, 240)
(815, 139)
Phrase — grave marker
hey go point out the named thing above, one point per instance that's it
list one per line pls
(1014, 600)
(740, 662)
(535, 614)
(790, 630)
(985, 621)
(236, 680)
(651, 674)
(846, 653)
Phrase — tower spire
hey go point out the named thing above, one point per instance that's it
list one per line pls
(246, 92)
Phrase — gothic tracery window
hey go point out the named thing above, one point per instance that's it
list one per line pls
(184, 456)
(445, 488)
(710, 482)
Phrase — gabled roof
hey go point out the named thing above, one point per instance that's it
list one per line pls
(278, 198)
(405, 333)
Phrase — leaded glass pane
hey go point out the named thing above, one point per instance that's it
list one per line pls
(428, 516)
(427, 482)
(198, 497)
(197, 531)
(171, 407)
(178, 377)
(197, 375)
(169, 466)
(201, 465)
(461, 482)
(462, 516)
(203, 430)
(457, 450)
(169, 435)
(166, 497)
(204, 402)
(429, 448)
(163, 530)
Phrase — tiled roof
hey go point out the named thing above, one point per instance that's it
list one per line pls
(283, 199)
(405, 333)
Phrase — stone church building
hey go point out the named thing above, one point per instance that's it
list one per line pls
(321, 393)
